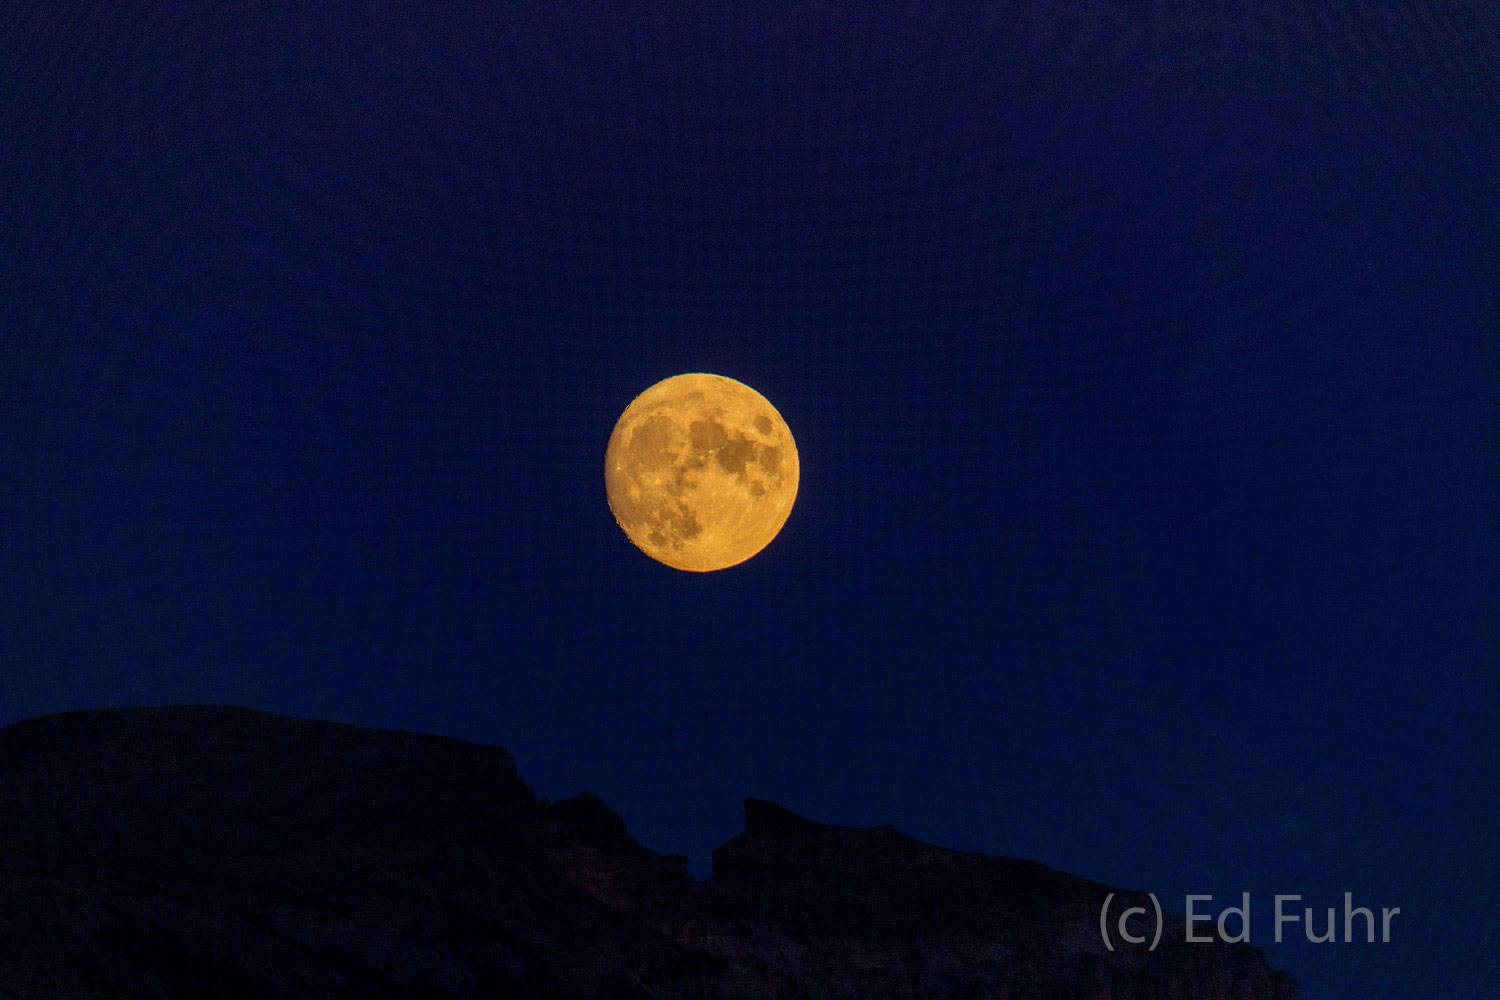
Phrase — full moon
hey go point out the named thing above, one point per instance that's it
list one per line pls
(701, 472)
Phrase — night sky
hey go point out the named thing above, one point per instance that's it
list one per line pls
(1143, 360)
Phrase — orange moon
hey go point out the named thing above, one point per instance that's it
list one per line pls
(701, 472)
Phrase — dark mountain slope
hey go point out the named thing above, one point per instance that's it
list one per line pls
(219, 852)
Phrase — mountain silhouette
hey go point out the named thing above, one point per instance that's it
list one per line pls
(207, 852)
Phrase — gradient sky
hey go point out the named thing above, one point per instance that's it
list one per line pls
(1143, 363)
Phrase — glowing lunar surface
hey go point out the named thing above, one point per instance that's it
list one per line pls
(701, 472)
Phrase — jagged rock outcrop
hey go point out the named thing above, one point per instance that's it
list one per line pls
(219, 852)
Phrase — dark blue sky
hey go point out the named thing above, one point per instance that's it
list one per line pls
(1142, 359)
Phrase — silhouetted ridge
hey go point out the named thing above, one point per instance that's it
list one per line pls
(191, 788)
(220, 852)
